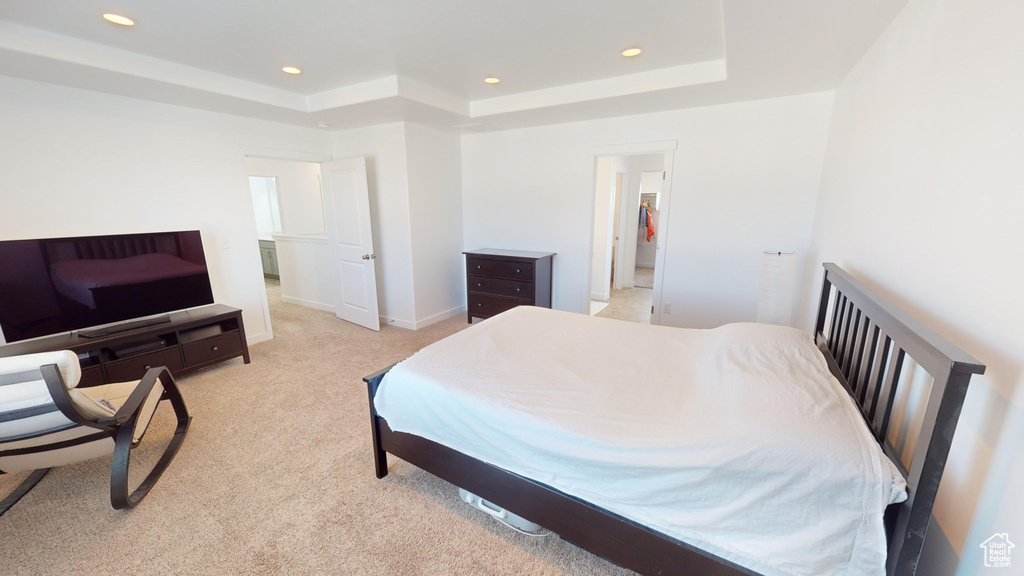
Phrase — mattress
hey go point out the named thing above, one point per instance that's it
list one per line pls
(737, 440)
(76, 279)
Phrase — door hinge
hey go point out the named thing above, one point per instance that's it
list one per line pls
(652, 309)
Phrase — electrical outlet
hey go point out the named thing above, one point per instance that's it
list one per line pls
(666, 308)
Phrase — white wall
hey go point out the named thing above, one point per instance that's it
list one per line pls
(923, 198)
(265, 207)
(435, 206)
(307, 275)
(298, 191)
(387, 177)
(745, 179)
(79, 163)
(604, 209)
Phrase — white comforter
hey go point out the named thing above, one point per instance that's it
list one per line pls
(737, 440)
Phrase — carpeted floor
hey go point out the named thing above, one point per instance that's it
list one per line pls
(643, 277)
(276, 477)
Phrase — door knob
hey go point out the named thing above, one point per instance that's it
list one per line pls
(369, 256)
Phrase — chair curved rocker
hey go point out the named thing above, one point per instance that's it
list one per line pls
(46, 421)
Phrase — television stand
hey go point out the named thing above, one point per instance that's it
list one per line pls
(186, 342)
(123, 326)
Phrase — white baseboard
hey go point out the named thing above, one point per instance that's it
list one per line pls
(308, 303)
(416, 325)
(251, 339)
(396, 322)
(440, 316)
(600, 297)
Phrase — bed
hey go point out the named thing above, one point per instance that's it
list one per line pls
(91, 282)
(738, 497)
(101, 278)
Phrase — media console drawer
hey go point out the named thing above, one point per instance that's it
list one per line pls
(183, 342)
(135, 367)
(91, 376)
(223, 345)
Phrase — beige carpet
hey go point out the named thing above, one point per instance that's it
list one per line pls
(276, 477)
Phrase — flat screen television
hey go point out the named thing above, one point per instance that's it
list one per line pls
(55, 285)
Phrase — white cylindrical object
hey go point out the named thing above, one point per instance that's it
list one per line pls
(778, 280)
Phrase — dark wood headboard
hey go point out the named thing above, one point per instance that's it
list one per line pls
(868, 343)
(110, 247)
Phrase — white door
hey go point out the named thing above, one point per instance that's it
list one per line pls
(347, 200)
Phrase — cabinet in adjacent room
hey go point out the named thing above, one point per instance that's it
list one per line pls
(268, 254)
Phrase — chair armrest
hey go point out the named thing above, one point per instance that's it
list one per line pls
(139, 395)
(62, 399)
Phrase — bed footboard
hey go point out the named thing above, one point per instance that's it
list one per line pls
(592, 528)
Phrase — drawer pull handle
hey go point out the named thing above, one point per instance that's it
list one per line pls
(517, 270)
(479, 304)
(477, 266)
(215, 348)
(519, 289)
(479, 284)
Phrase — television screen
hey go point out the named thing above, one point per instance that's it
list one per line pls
(58, 285)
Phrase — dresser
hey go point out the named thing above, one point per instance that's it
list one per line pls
(497, 280)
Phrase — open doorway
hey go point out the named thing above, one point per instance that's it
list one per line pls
(629, 198)
(289, 211)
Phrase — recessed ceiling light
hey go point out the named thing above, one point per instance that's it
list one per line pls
(492, 80)
(630, 52)
(291, 70)
(118, 19)
(322, 125)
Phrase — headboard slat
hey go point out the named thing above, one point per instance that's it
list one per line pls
(834, 326)
(852, 346)
(864, 373)
(860, 342)
(888, 397)
(843, 329)
(878, 375)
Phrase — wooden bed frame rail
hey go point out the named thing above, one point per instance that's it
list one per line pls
(867, 341)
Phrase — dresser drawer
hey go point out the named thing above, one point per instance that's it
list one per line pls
(499, 287)
(484, 306)
(135, 367)
(500, 268)
(223, 345)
